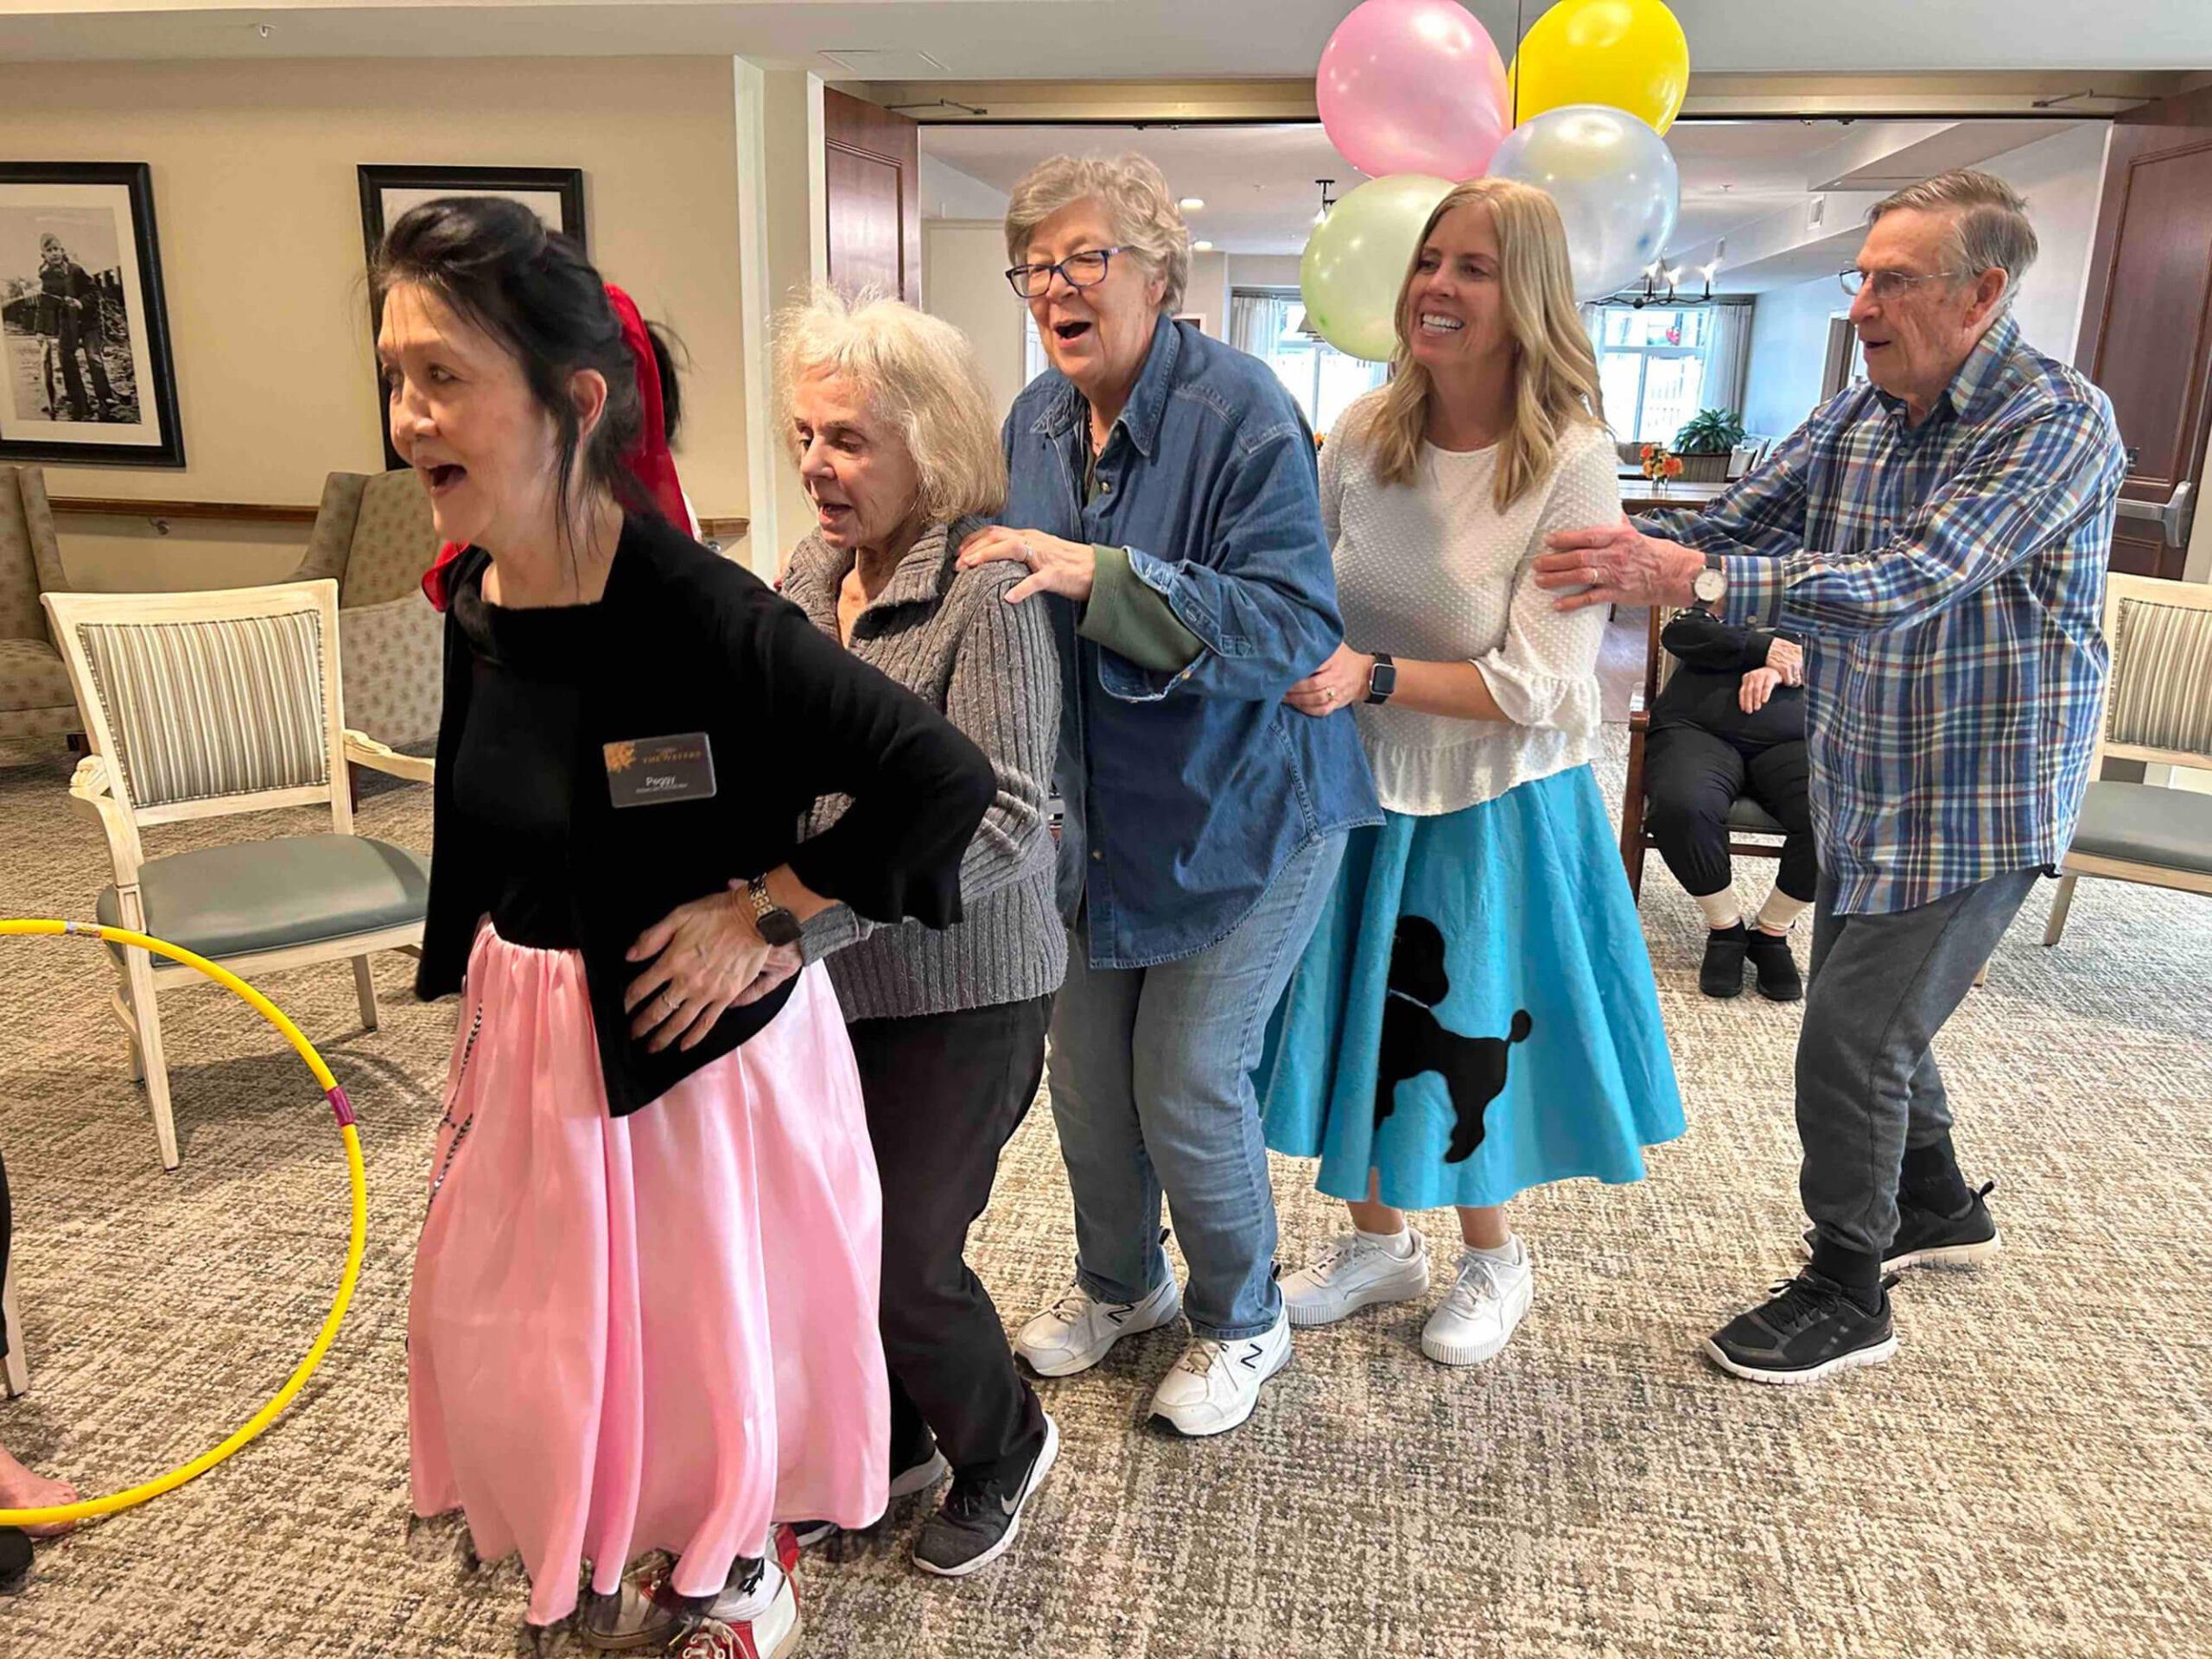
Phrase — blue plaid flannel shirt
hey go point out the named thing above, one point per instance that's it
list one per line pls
(1949, 581)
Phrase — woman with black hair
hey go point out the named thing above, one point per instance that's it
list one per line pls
(643, 1306)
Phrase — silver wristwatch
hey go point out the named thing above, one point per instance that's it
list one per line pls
(1711, 584)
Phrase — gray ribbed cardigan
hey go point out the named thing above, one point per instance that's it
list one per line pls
(949, 636)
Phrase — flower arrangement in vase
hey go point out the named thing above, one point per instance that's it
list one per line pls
(1659, 465)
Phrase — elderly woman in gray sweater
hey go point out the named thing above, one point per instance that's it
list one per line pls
(890, 418)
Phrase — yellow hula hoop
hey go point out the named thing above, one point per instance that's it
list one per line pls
(341, 1107)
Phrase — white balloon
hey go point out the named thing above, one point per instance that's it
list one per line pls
(1615, 182)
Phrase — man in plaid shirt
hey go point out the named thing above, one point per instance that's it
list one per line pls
(1939, 534)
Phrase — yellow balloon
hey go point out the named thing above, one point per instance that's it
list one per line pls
(1630, 54)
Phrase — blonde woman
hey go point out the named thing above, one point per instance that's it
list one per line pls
(1475, 1015)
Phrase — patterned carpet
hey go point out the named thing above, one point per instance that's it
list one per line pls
(2030, 1476)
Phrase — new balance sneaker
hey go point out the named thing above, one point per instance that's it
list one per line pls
(1928, 1238)
(1478, 1315)
(1778, 979)
(1811, 1328)
(980, 1517)
(770, 1634)
(648, 1613)
(1353, 1273)
(1215, 1385)
(1075, 1333)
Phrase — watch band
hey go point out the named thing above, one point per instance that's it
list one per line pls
(771, 920)
(1381, 678)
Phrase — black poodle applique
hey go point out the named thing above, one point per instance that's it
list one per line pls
(1473, 1068)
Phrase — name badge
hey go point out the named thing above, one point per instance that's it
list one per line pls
(650, 769)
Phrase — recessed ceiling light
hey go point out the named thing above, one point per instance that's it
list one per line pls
(1192, 204)
(1201, 247)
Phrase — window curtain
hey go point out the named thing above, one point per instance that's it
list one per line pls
(1728, 357)
(1257, 320)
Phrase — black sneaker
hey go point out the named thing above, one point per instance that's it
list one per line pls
(980, 1517)
(905, 1482)
(1810, 1329)
(1928, 1238)
(1778, 968)
(1723, 972)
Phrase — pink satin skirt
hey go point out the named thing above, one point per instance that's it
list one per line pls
(656, 1331)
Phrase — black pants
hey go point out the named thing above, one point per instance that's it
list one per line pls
(944, 1094)
(1691, 778)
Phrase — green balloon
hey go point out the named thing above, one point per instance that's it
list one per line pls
(1356, 262)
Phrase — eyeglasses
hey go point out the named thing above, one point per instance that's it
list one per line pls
(1888, 284)
(1085, 270)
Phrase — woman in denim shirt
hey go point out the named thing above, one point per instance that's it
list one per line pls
(1163, 490)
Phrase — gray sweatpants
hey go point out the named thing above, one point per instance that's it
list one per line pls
(1880, 988)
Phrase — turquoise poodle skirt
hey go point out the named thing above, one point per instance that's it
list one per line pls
(1475, 1015)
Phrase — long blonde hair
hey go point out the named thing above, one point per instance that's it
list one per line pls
(1554, 370)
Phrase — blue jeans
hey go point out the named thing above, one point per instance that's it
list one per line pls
(1151, 1072)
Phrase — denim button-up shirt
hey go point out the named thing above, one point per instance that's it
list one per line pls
(1185, 792)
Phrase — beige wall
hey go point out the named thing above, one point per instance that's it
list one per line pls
(259, 216)
(963, 281)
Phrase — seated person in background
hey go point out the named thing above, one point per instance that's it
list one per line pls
(1730, 723)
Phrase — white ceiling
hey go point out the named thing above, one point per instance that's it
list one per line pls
(1257, 181)
(1092, 39)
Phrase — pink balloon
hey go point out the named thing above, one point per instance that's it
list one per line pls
(1413, 86)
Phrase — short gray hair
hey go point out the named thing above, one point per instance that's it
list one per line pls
(1134, 195)
(915, 371)
(1989, 221)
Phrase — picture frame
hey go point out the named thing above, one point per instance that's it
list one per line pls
(554, 193)
(86, 377)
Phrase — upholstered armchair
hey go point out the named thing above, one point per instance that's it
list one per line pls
(200, 706)
(373, 536)
(2157, 710)
(34, 700)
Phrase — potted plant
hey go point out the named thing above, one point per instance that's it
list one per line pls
(1706, 441)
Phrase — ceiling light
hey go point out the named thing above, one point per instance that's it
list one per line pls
(1192, 204)
(1201, 247)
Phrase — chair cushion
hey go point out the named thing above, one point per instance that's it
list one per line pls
(2145, 824)
(1750, 817)
(32, 676)
(271, 895)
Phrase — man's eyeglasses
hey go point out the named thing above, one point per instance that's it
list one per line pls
(1889, 284)
(1085, 270)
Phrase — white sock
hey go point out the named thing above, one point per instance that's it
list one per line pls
(1781, 910)
(1720, 908)
(1509, 1254)
(1398, 1246)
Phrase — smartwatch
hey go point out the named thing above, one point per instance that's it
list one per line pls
(1382, 678)
(1711, 584)
(775, 924)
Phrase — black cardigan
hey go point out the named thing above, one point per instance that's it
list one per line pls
(697, 644)
(1715, 656)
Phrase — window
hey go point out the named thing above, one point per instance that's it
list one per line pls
(1652, 367)
(1320, 378)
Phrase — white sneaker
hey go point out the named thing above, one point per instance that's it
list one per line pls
(1354, 1273)
(1215, 1385)
(1074, 1333)
(1485, 1303)
(772, 1633)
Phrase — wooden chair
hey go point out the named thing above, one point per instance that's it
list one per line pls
(1746, 817)
(202, 705)
(2157, 709)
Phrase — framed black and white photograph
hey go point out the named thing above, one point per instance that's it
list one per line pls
(555, 194)
(86, 375)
